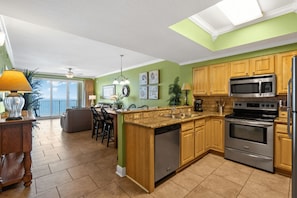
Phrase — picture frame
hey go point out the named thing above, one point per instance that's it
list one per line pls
(143, 78)
(154, 77)
(143, 92)
(108, 91)
(153, 91)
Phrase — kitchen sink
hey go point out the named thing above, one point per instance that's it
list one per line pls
(180, 116)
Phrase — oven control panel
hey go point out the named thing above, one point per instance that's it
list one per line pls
(268, 106)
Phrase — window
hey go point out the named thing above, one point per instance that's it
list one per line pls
(58, 95)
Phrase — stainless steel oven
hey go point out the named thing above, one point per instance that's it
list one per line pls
(249, 136)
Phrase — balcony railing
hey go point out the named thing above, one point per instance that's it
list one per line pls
(58, 107)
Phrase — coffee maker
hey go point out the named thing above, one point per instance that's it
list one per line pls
(198, 105)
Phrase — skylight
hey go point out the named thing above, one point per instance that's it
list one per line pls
(240, 11)
(227, 15)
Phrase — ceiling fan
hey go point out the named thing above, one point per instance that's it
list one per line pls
(70, 73)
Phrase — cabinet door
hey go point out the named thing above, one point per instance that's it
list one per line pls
(218, 134)
(187, 146)
(283, 152)
(239, 68)
(208, 134)
(283, 70)
(262, 65)
(218, 79)
(199, 141)
(200, 81)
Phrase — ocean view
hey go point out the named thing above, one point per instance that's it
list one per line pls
(58, 107)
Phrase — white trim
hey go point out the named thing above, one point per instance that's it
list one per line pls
(121, 171)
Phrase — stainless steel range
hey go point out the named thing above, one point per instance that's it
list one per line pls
(249, 134)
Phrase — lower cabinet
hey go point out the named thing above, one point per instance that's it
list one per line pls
(187, 142)
(283, 148)
(199, 137)
(217, 134)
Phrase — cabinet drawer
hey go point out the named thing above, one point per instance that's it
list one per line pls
(199, 123)
(187, 126)
(281, 128)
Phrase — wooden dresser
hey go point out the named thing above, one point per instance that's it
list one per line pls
(15, 148)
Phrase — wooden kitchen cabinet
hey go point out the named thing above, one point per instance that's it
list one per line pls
(199, 137)
(217, 134)
(240, 68)
(219, 76)
(208, 134)
(200, 81)
(283, 64)
(254, 66)
(262, 65)
(187, 142)
(283, 148)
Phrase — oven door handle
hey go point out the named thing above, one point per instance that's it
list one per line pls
(250, 123)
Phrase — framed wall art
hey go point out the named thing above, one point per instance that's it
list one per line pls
(108, 91)
(143, 92)
(143, 78)
(153, 91)
(154, 77)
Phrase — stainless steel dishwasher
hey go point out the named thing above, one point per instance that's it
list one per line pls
(166, 150)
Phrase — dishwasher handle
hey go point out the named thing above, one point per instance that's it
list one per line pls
(166, 129)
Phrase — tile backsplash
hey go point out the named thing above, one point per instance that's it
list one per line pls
(210, 102)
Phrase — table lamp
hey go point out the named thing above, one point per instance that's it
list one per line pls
(186, 87)
(92, 98)
(14, 81)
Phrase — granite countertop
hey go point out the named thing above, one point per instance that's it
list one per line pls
(165, 120)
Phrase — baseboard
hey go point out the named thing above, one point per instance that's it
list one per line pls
(121, 171)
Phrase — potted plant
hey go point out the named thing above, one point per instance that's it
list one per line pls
(118, 101)
(175, 93)
(32, 98)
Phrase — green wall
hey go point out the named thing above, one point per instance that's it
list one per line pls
(167, 73)
(4, 58)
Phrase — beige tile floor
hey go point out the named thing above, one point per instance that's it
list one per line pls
(74, 165)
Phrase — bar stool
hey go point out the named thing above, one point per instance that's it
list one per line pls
(107, 131)
(97, 123)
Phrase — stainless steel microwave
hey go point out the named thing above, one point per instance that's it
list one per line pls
(253, 86)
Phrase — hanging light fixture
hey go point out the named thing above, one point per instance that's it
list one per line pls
(69, 73)
(122, 80)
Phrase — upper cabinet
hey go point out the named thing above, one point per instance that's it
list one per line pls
(200, 81)
(262, 65)
(211, 80)
(240, 68)
(283, 70)
(253, 66)
(218, 79)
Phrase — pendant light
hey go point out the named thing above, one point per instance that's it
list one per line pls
(122, 80)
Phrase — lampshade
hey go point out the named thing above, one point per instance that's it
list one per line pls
(186, 87)
(14, 81)
(92, 97)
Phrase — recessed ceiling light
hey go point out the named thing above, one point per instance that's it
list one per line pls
(240, 11)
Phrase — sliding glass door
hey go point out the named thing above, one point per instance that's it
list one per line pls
(58, 95)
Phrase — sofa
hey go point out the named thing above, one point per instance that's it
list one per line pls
(74, 120)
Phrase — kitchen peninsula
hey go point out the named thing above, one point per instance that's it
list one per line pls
(200, 133)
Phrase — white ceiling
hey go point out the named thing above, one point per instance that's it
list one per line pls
(89, 36)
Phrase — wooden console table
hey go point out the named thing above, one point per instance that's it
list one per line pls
(15, 148)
